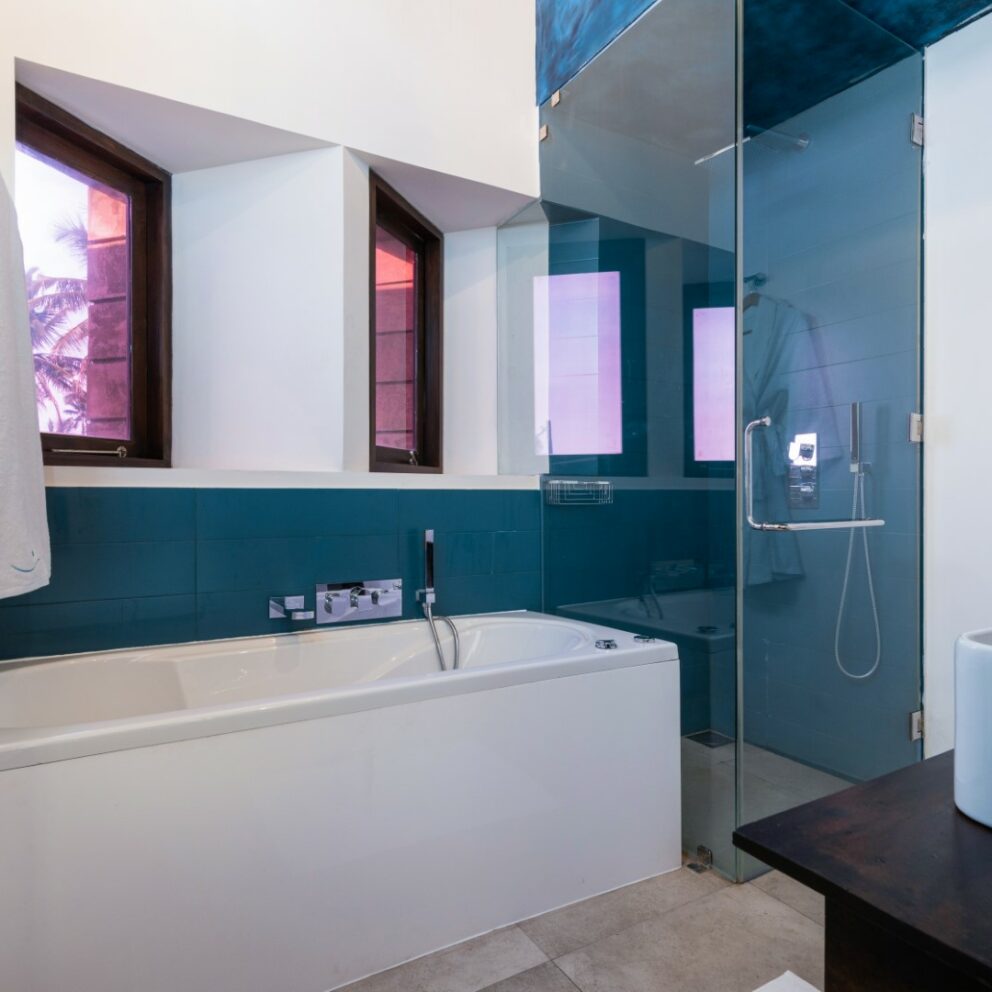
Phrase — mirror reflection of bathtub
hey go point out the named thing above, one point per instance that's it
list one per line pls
(701, 623)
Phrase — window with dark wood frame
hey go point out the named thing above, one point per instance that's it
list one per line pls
(123, 412)
(405, 294)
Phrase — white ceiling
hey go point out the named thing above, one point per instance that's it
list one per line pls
(454, 204)
(181, 137)
(177, 136)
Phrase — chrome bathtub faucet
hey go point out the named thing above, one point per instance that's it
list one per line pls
(289, 608)
(427, 597)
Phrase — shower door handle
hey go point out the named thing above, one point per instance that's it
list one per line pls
(785, 525)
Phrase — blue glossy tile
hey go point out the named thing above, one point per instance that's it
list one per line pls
(492, 593)
(288, 566)
(279, 565)
(158, 620)
(243, 613)
(56, 629)
(464, 554)
(367, 557)
(78, 516)
(455, 510)
(245, 513)
(517, 551)
(694, 713)
(117, 571)
(69, 628)
(114, 587)
(523, 509)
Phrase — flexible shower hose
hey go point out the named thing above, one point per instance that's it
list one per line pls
(859, 494)
(429, 614)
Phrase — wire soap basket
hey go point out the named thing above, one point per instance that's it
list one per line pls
(578, 492)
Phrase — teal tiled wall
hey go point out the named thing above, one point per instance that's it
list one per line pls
(597, 553)
(149, 566)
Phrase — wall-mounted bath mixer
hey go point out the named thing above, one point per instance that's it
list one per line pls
(373, 599)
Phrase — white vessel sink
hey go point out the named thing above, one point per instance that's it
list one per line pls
(973, 725)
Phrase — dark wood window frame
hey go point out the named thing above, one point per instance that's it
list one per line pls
(392, 212)
(50, 130)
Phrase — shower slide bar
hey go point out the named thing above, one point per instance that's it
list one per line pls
(785, 525)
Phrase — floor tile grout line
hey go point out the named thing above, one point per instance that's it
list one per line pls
(614, 933)
(795, 909)
(531, 968)
(540, 950)
(782, 902)
(568, 978)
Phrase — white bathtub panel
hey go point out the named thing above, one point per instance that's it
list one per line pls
(301, 856)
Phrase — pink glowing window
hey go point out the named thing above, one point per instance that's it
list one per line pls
(406, 335)
(75, 235)
(578, 398)
(713, 394)
(396, 317)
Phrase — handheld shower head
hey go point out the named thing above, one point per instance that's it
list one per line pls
(856, 437)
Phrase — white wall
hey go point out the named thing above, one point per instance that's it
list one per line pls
(271, 321)
(257, 315)
(957, 359)
(470, 352)
(522, 251)
(444, 84)
(271, 256)
(350, 397)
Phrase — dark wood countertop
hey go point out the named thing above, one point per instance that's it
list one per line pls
(897, 852)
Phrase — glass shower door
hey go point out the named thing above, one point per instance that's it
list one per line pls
(829, 488)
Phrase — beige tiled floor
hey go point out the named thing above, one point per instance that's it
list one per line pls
(679, 932)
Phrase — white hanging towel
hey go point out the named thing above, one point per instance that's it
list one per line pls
(25, 556)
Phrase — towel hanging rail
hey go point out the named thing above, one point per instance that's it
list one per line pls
(119, 452)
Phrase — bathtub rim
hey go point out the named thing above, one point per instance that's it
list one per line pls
(711, 643)
(26, 746)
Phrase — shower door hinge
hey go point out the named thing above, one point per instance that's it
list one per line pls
(916, 728)
(917, 130)
(703, 860)
(916, 428)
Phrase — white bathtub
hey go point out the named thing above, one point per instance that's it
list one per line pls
(700, 622)
(297, 812)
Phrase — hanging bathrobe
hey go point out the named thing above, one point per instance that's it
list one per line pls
(25, 559)
(776, 337)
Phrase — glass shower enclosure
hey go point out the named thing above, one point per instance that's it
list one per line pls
(710, 350)
(829, 349)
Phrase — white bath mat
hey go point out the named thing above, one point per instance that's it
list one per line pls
(787, 983)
